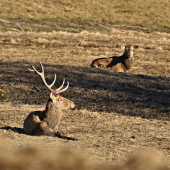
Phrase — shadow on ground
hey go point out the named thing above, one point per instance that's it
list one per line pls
(92, 89)
(14, 129)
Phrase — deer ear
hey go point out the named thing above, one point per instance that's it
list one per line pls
(52, 95)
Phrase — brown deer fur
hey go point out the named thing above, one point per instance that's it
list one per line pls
(46, 122)
(117, 64)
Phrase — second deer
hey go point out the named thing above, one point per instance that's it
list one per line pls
(117, 64)
(46, 122)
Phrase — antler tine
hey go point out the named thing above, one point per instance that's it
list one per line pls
(43, 78)
(34, 69)
(60, 91)
(61, 85)
(53, 82)
(30, 69)
(42, 67)
(49, 86)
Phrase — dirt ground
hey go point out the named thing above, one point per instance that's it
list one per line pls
(116, 114)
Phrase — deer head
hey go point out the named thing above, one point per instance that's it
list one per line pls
(129, 50)
(58, 101)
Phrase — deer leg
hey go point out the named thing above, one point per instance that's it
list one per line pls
(43, 129)
(63, 136)
(107, 68)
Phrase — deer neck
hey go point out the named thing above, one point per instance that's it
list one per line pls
(50, 107)
(127, 61)
(52, 114)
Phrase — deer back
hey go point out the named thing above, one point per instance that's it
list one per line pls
(117, 64)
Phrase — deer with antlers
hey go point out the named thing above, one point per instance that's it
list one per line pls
(46, 122)
(117, 64)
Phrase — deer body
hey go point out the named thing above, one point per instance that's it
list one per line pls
(46, 122)
(117, 64)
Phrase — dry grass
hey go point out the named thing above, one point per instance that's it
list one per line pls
(35, 157)
(74, 49)
(116, 114)
(108, 138)
(75, 16)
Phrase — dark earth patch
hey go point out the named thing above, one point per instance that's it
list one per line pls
(91, 89)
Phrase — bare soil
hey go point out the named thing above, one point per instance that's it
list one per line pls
(116, 113)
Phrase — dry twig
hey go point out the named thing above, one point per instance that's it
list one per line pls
(12, 24)
(13, 29)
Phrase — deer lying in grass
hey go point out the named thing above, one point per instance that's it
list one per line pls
(117, 64)
(46, 122)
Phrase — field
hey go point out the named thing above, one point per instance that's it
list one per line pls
(116, 114)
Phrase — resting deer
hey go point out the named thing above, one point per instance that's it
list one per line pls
(117, 64)
(46, 122)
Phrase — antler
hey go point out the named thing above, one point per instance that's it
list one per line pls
(57, 91)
